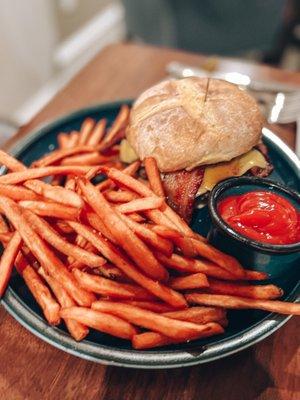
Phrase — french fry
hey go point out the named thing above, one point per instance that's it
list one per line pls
(5, 237)
(76, 329)
(40, 291)
(111, 253)
(267, 292)
(153, 175)
(113, 272)
(55, 193)
(11, 163)
(97, 133)
(106, 287)
(138, 205)
(62, 227)
(149, 340)
(113, 163)
(3, 225)
(255, 275)
(175, 329)
(80, 242)
(165, 232)
(70, 183)
(105, 147)
(70, 180)
(57, 155)
(186, 246)
(17, 192)
(150, 237)
(35, 173)
(158, 217)
(100, 321)
(43, 254)
(193, 281)
(185, 264)
(150, 305)
(85, 131)
(131, 170)
(136, 217)
(65, 141)
(118, 197)
(225, 261)
(236, 302)
(93, 158)
(180, 223)
(109, 271)
(73, 140)
(136, 249)
(55, 210)
(75, 265)
(50, 236)
(96, 222)
(68, 140)
(7, 260)
(62, 140)
(182, 242)
(198, 315)
(122, 179)
(119, 124)
(93, 171)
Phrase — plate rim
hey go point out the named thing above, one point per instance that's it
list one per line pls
(157, 359)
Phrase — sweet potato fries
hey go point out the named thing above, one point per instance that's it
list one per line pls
(113, 256)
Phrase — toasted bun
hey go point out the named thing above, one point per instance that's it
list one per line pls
(193, 121)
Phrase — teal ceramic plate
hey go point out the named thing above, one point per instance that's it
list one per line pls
(245, 327)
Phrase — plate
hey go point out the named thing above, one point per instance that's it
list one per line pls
(245, 327)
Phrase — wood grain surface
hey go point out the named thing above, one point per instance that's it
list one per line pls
(31, 369)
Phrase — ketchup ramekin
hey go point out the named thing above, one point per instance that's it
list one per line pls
(276, 260)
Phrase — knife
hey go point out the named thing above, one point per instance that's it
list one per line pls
(179, 70)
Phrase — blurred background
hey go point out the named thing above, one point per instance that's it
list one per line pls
(43, 43)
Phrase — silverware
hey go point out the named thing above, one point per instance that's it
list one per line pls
(179, 70)
(284, 110)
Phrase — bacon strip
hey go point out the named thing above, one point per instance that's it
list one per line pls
(181, 188)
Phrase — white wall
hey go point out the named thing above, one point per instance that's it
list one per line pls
(27, 41)
(36, 56)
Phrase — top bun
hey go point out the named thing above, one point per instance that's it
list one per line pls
(193, 121)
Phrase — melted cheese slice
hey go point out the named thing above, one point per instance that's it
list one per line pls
(127, 154)
(236, 167)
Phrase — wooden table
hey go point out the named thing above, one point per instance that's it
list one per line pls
(32, 369)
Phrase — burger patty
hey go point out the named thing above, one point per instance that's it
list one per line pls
(263, 172)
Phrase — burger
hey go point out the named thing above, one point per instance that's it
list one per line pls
(200, 131)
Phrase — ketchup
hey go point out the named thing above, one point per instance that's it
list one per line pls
(263, 216)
